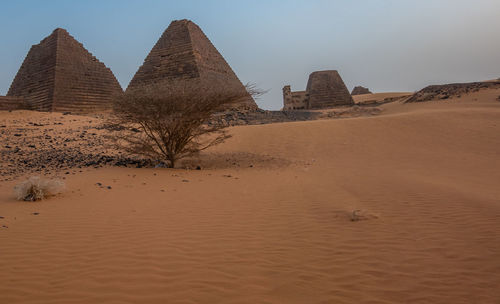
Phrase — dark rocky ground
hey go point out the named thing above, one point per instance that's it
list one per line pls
(61, 144)
(56, 145)
(261, 117)
(441, 92)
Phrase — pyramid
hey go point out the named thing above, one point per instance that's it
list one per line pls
(183, 52)
(327, 89)
(359, 90)
(60, 75)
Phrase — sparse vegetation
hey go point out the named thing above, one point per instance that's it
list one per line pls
(173, 120)
(37, 189)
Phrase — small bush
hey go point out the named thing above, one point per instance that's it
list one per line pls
(37, 189)
(167, 122)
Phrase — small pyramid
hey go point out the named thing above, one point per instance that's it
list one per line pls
(60, 75)
(359, 90)
(183, 52)
(327, 89)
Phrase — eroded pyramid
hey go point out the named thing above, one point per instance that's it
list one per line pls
(327, 89)
(60, 75)
(183, 52)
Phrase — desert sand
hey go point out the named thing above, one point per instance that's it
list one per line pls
(269, 218)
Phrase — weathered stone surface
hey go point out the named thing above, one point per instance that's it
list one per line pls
(441, 92)
(294, 100)
(359, 90)
(60, 75)
(183, 52)
(325, 89)
(8, 103)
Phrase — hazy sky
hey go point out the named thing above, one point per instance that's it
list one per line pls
(386, 45)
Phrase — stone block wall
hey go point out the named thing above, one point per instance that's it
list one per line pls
(327, 89)
(83, 84)
(36, 78)
(171, 58)
(60, 75)
(294, 100)
(213, 67)
(8, 103)
(184, 52)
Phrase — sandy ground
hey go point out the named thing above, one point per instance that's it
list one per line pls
(276, 227)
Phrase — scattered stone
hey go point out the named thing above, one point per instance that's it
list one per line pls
(36, 213)
(109, 187)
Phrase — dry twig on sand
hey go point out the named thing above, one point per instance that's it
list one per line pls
(36, 189)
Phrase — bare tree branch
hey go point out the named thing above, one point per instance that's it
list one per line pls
(174, 120)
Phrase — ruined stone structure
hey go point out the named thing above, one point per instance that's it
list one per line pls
(360, 91)
(294, 100)
(325, 89)
(60, 75)
(183, 52)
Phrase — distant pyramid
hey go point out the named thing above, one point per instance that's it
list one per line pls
(60, 75)
(183, 52)
(359, 90)
(327, 89)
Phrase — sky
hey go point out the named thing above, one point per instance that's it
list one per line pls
(385, 45)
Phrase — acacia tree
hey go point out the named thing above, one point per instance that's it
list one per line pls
(168, 122)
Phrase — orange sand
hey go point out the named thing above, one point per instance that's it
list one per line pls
(425, 176)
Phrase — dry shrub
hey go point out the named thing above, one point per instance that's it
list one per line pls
(173, 120)
(37, 189)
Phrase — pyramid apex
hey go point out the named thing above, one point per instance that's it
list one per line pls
(184, 52)
(182, 21)
(60, 30)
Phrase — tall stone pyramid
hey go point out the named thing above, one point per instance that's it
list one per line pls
(183, 52)
(60, 75)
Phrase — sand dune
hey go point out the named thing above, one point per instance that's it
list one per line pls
(274, 225)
